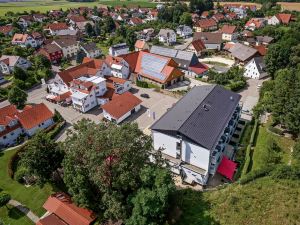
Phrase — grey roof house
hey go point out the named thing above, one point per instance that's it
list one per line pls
(211, 41)
(91, 50)
(242, 53)
(193, 134)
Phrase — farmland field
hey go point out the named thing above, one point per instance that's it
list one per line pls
(46, 5)
(290, 6)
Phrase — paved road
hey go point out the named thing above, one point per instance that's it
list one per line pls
(34, 218)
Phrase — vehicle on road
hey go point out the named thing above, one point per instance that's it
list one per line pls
(145, 95)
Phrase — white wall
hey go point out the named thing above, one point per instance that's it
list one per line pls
(122, 118)
(10, 137)
(42, 125)
(166, 142)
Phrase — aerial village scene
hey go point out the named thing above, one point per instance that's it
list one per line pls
(149, 112)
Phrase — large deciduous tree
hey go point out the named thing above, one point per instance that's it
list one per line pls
(17, 97)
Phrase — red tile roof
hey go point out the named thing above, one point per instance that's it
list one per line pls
(199, 68)
(62, 206)
(7, 114)
(6, 29)
(77, 19)
(257, 22)
(34, 116)
(228, 29)
(116, 80)
(58, 26)
(121, 105)
(262, 50)
(136, 20)
(140, 44)
(219, 17)
(284, 17)
(206, 23)
(198, 45)
(52, 219)
(20, 38)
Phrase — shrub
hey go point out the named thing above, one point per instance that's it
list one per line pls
(20, 174)
(4, 198)
(286, 172)
(255, 174)
(247, 161)
(142, 84)
(13, 161)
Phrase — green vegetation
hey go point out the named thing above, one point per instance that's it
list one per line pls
(11, 215)
(215, 63)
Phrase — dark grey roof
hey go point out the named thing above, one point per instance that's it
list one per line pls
(265, 39)
(208, 37)
(89, 47)
(242, 52)
(181, 57)
(119, 46)
(260, 64)
(201, 115)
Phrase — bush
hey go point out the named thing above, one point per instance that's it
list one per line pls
(20, 174)
(255, 174)
(142, 84)
(286, 172)
(13, 161)
(247, 161)
(56, 129)
(4, 198)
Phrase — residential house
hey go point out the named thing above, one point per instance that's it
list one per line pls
(255, 23)
(39, 17)
(141, 45)
(57, 29)
(119, 85)
(134, 21)
(187, 61)
(204, 15)
(255, 68)
(146, 34)
(205, 25)
(196, 46)
(229, 33)
(167, 36)
(25, 21)
(262, 50)
(219, 17)
(56, 13)
(193, 135)
(242, 53)
(2, 80)
(184, 31)
(152, 15)
(24, 40)
(264, 40)
(153, 68)
(121, 107)
(118, 49)
(212, 41)
(52, 52)
(38, 37)
(9, 62)
(195, 17)
(62, 211)
(231, 16)
(69, 46)
(118, 66)
(14, 122)
(280, 18)
(79, 22)
(7, 30)
(91, 50)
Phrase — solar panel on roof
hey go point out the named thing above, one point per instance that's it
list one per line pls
(163, 51)
(150, 62)
(154, 74)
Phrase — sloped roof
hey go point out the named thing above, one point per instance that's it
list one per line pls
(58, 26)
(201, 115)
(34, 115)
(228, 29)
(51, 48)
(136, 20)
(89, 47)
(208, 37)
(140, 44)
(6, 29)
(121, 105)
(20, 38)
(205, 23)
(7, 114)
(77, 18)
(285, 18)
(52, 219)
(242, 52)
(62, 206)
(198, 45)
(9, 60)
(262, 50)
(65, 42)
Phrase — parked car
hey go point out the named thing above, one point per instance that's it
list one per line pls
(145, 95)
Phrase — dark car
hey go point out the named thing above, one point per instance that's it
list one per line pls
(145, 95)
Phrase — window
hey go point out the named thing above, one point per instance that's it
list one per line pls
(4, 137)
(12, 133)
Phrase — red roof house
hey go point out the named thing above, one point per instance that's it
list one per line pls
(205, 25)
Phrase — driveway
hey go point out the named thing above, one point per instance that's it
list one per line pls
(218, 59)
(183, 46)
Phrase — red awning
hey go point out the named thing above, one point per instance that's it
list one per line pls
(227, 168)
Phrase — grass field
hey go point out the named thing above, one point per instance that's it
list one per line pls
(47, 5)
(33, 197)
(13, 216)
(242, 3)
(263, 201)
(292, 6)
(261, 144)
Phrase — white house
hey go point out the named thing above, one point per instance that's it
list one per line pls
(59, 29)
(118, 67)
(255, 68)
(184, 31)
(141, 45)
(69, 46)
(9, 62)
(91, 50)
(193, 134)
(229, 33)
(167, 36)
(14, 122)
(24, 40)
(121, 107)
(118, 49)
(25, 21)
(119, 85)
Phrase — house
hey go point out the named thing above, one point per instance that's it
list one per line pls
(79, 22)
(152, 15)
(167, 36)
(39, 17)
(24, 40)
(118, 49)
(262, 50)
(118, 67)
(52, 52)
(193, 135)
(255, 68)
(184, 31)
(62, 211)
(38, 37)
(153, 68)
(146, 34)
(69, 46)
(280, 18)
(205, 25)
(204, 15)
(264, 40)
(212, 41)
(9, 62)
(14, 122)
(121, 107)
(2, 80)
(25, 21)
(242, 53)
(187, 61)
(59, 29)
(56, 13)
(196, 46)
(7, 30)
(219, 17)
(255, 23)
(134, 21)
(229, 33)
(119, 85)
(231, 16)
(141, 45)
(91, 50)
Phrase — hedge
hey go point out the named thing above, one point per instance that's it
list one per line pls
(56, 129)
(255, 174)
(142, 84)
(12, 163)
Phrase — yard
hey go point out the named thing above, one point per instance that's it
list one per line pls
(33, 197)
(12, 216)
(47, 5)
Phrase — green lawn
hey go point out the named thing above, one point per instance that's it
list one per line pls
(263, 201)
(47, 5)
(33, 197)
(261, 144)
(12, 216)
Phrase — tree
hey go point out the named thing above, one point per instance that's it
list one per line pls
(17, 97)
(89, 30)
(186, 19)
(4, 198)
(102, 169)
(108, 25)
(20, 74)
(130, 39)
(80, 55)
(41, 62)
(41, 157)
